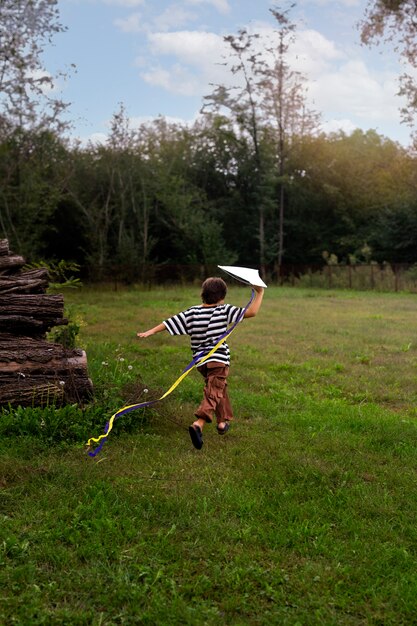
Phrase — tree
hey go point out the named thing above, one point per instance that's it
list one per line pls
(31, 150)
(26, 27)
(268, 106)
(33, 175)
(342, 185)
(242, 103)
(284, 105)
(395, 21)
(189, 232)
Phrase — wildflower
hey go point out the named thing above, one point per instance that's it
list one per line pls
(130, 367)
(104, 363)
(121, 359)
(145, 390)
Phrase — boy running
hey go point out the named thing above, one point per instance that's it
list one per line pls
(205, 324)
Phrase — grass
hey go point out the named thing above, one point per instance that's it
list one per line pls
(303, 514)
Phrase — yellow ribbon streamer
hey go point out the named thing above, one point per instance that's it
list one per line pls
(131, 407)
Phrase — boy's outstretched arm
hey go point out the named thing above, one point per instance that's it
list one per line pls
(152, 331)
(256, 302)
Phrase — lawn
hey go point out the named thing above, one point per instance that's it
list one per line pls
(303, 514)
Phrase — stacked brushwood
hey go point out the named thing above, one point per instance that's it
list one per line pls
(33, 370)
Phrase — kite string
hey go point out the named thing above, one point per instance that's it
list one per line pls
(198, 360)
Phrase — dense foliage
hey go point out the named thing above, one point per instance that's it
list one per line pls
(167, 193)
(251, 181)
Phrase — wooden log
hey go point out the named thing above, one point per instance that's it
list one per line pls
(4, 247)
(29, 393)
(39, 306)
(25, 325)
(33, 371)
(33, 314)
(24, 349)
(43, 391)
(11, 262)
(76, 363)
(30, 281)
(37, 372)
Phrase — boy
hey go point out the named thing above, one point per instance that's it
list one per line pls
(205, 324)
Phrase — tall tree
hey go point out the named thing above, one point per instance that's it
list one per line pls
(395, 22)
(129, 154)
(30, 122)
(241, 101)
(269, 107)
(26, 27)
(284, 98)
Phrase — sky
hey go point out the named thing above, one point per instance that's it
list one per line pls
(160, 58)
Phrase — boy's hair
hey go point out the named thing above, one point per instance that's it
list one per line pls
(213, 290)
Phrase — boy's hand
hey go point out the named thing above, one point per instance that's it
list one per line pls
(258, 289)
(255, 305)
(151, 331)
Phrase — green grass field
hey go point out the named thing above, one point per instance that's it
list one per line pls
(303, 514)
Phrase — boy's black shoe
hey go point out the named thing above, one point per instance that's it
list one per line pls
(223, 431)
(196, 436)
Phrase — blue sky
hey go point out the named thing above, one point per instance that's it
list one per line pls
(158, 57)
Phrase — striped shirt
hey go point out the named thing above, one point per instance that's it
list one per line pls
(205, 325)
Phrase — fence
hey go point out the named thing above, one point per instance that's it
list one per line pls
(384, 277)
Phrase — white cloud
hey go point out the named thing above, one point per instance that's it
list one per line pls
(199, 62)
(44, 81)
(125, 3)
(221, 5)
(95, 139)
(136, 122)
(131, 24)
(313, 52)
(347, 91)
(197, 48)
(346, 3)
(334, 125)
(352, 88)
(176, 80)
(174, 16)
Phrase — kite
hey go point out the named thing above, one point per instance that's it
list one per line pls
(246, 275)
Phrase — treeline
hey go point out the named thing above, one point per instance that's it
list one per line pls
(168, 193)
(252, 181)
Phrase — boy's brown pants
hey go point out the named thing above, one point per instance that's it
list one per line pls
(215, 393)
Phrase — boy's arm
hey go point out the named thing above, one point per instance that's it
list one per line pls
(152, 331)
(256, 302)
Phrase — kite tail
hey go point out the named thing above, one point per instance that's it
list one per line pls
(101, 440)
(197, 361)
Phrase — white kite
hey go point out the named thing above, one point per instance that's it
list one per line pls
(244, 274)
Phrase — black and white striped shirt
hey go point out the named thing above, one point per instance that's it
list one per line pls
(205, 325)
